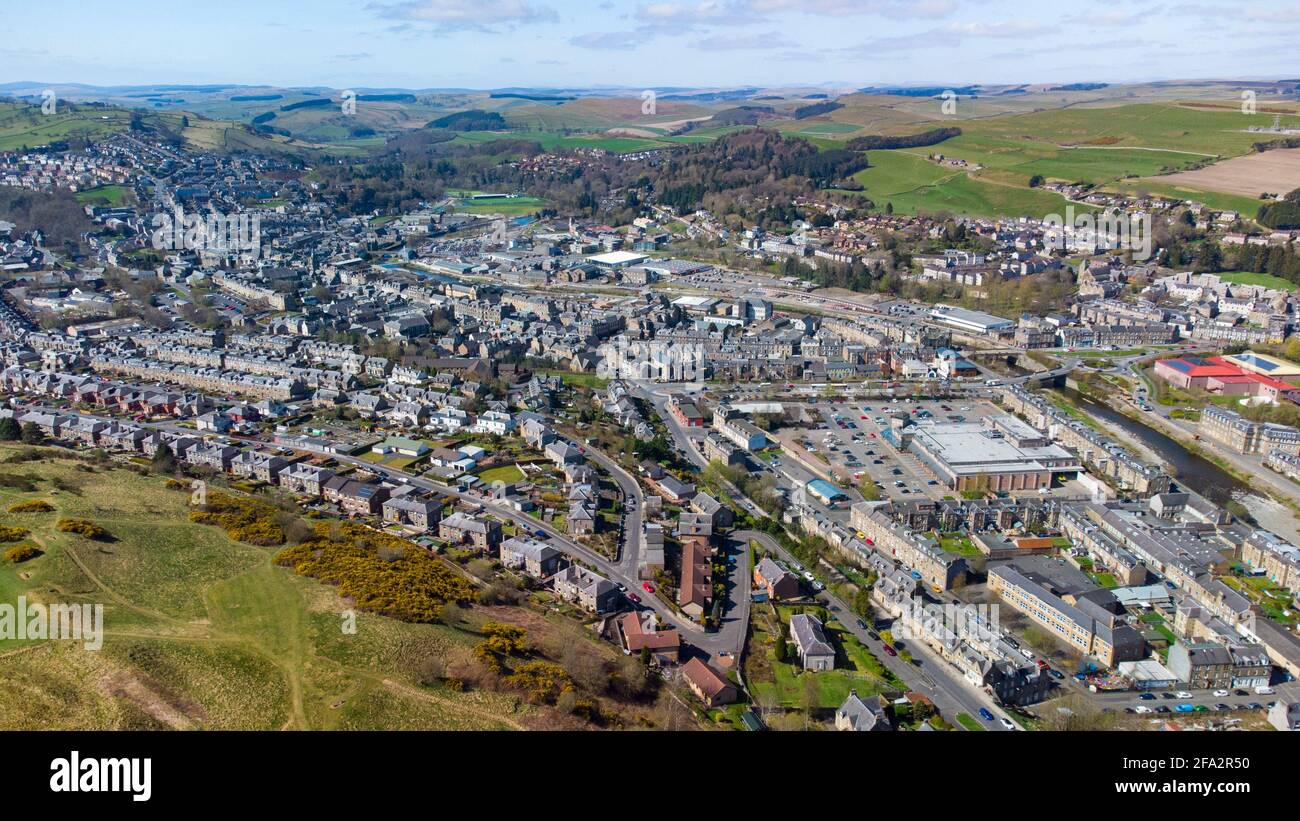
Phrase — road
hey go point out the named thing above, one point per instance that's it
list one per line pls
(929, 674)
(629, 545)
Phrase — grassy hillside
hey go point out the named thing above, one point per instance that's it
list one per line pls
(204, 632)
(24, 125)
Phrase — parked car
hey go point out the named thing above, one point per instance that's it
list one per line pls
(890, 650)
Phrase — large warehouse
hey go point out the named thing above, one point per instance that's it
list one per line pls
(1000, 453)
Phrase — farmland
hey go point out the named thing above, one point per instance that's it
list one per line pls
(911, 184)
(24, 125)
(1275, 172)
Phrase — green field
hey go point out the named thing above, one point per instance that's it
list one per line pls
(112, 195)
(23, 125)
(822, 129)
(204, 632)
(503, 473)
(1262, 280)
(912, 184)
(506, 206)
(1122, 148)
(550, 141)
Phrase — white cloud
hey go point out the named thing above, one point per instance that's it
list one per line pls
(608, 40)
(465, 14)
(746, 42)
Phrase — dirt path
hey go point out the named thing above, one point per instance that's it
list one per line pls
(408, 690)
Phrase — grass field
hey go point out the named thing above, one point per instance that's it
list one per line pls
(504, 473)
(24, 125)
(584, 380)
(1146, 147)
(549, 140)
(1262, 280)
(203, 632)
(506, 206)
(913, 184)
(111, 195)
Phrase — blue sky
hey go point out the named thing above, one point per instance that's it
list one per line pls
(698, 43)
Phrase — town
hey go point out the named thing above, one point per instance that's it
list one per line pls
(705, 424)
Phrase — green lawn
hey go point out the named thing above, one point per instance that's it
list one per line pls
(969, 722)
(785, 683)
(959, 544)
(503, 473)
(111, 195)
(585, 380)
(1262, 280)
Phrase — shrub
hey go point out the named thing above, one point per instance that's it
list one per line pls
(22, 552)
(542, 681)
(244, 520)
(411, 585)
(12, 534)
(82, 527)
(33, 506)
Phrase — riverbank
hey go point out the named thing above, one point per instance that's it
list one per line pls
(1279, 511)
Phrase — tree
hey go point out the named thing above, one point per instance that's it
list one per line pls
(164, 461)
(31, 434)
(1208, 258)
(9, 429)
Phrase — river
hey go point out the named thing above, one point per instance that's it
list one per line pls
(1196, 473)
